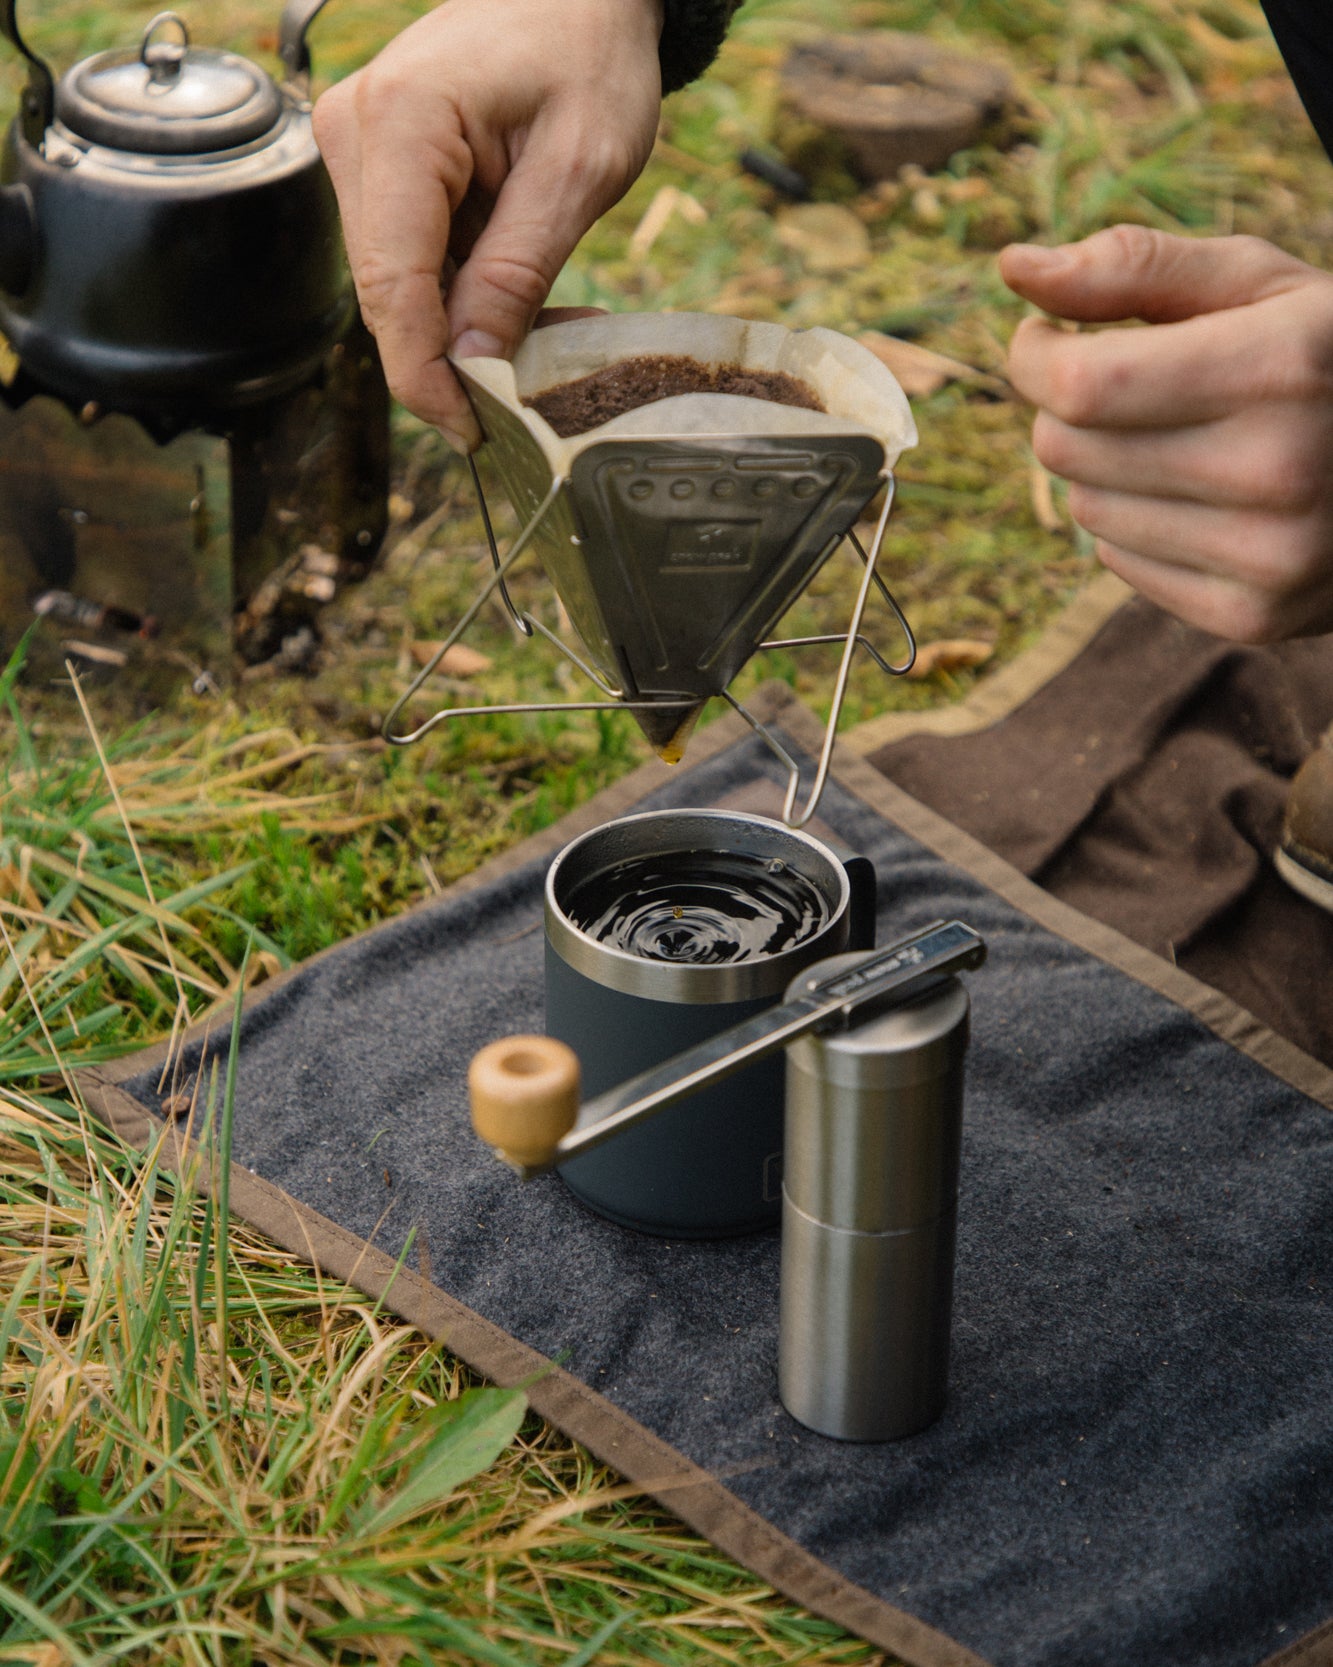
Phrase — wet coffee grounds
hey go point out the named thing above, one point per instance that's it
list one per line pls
(575, 407)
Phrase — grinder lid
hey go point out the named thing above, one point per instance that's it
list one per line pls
(168, 98)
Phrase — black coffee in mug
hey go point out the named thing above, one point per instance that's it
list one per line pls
(704, 907)
(662, 929)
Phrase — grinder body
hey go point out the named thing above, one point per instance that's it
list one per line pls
(870, 1195)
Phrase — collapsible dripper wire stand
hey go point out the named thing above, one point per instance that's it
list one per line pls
(678, 534)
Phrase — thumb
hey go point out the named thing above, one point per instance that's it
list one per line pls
(1134, 272)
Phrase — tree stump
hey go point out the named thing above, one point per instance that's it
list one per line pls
(894, 98)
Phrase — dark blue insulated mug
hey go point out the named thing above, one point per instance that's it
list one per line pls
(662, 929)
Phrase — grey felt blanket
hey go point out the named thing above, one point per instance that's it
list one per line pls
(1136, 1461)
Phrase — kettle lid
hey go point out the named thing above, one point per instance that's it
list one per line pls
(168, 98)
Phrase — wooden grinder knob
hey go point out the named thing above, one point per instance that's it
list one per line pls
(525, 1096)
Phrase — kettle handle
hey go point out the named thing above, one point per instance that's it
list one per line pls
(297, 16)
(39, 97)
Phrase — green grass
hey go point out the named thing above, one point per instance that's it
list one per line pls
(201, 1443)
(208, 1455)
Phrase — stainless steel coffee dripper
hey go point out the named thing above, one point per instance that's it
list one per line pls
(678, 534)
(873, 1125)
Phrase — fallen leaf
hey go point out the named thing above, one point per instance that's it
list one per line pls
(923, 372)
(827, 237)
(949, 654)
(756, 294)
(969, 190)
(927, 207)
(459, 661)
(669, 201)
(316, 559)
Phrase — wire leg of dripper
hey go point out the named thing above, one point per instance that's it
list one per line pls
(496, 581)
(519, 620)
(871, 561)
(828, 637)
(775, 746)
(851, 641)
(577, 660)
(844, 672)
(527, 625)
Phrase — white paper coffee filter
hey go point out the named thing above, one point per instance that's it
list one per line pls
(860, 395)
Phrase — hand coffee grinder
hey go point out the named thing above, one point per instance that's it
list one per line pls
(189, 404)
(875, 1050)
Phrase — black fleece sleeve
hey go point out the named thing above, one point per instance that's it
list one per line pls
(692, 31)
(1303, 30)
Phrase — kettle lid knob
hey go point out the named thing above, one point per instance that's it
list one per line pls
(169, 98)
(163, 59)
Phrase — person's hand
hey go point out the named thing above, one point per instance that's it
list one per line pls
(1199, 448)
(488, 136)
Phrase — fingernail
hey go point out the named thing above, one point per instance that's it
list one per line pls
(1044, 259)
(476, 344)
(456, 440)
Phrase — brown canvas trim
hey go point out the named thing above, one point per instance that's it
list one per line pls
(686, 1490)
(1315, 1649)
(697, 1498)
(1000, 693)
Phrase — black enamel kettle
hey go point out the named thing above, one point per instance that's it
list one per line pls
(169, 238)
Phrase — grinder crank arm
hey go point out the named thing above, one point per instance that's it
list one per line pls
(525, 1089)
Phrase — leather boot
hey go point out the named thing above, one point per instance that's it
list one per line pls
(1304, 857)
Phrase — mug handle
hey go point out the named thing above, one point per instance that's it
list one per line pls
(864, 883)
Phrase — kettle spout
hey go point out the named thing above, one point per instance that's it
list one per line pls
(18, 238)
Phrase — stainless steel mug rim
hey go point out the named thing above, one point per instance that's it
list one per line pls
(643, 835)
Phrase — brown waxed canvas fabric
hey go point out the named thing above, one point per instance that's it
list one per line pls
(1144, 784)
